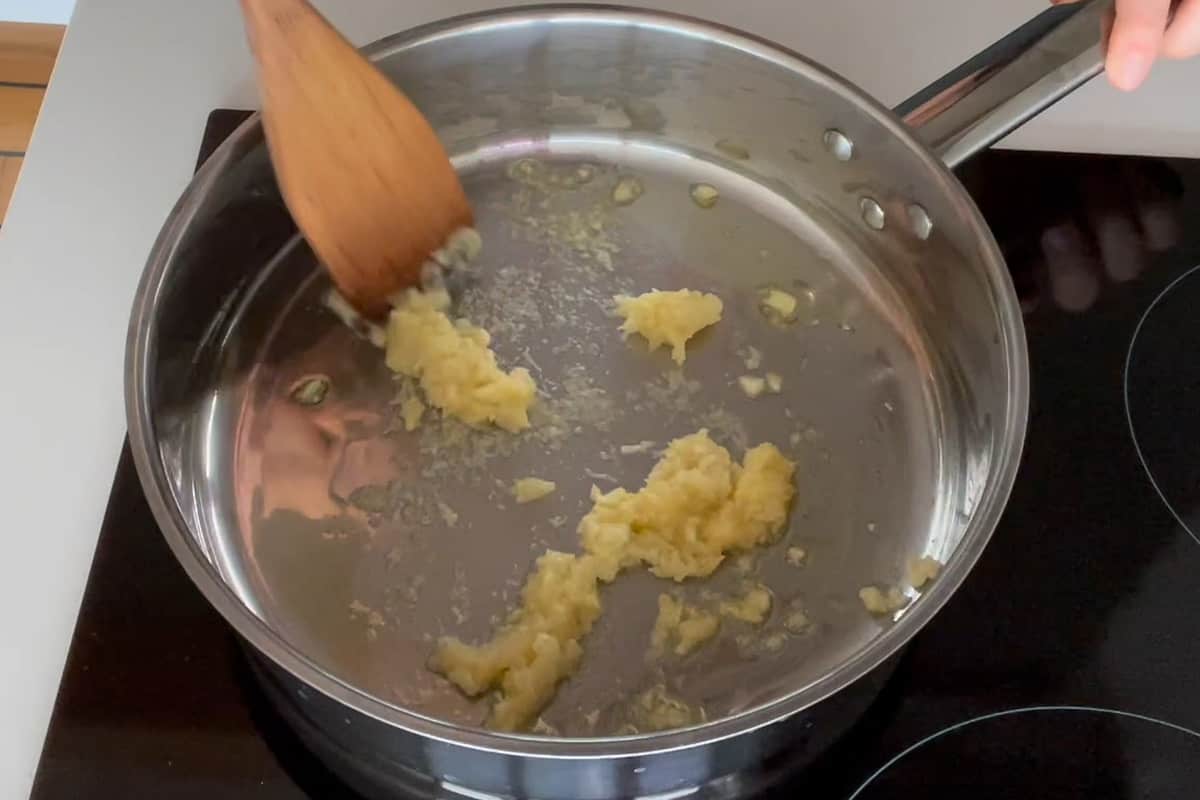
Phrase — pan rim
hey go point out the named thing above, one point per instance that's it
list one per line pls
(140, 343)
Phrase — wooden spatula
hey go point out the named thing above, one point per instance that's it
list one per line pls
(361, 170)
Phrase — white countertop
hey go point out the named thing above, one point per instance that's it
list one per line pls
(114, 146)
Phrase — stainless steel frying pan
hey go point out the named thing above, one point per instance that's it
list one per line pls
(339, 546)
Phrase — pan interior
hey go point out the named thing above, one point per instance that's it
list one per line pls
(362, 543)
(359, 543)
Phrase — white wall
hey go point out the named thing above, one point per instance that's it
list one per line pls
(57, 11)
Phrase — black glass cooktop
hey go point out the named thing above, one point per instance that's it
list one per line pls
(1067, 666)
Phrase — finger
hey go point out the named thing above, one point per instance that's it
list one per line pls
(1136, 37)
(1122, 250)
(1071, 268)
(1114, 226)
(1156, 207)
(1182, 39)
(1160, 223)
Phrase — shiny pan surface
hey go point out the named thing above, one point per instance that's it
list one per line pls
(341, 546)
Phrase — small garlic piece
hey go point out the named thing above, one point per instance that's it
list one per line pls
(752, 385)
(526, 490)
(310, 390)
(779, 304)
(449, 515)
(796, 621)
(922, 570)
(704, 195)
(668, 318)
(733, 149)
(880, 602)
(751, 607)
(464, 245)
(627, 190)
(411, 411)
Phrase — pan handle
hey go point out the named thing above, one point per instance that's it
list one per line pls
(1010, 82)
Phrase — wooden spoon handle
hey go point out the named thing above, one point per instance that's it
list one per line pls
(362, 171)
(273, 25)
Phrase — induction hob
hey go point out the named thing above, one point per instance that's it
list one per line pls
(1065, 667)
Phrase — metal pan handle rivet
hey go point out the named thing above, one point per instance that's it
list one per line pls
(872, 213)
(838, 144)
(919, 221)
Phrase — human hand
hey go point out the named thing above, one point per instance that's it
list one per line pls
(1072, 227)
(1142, 30)
(1121, 217)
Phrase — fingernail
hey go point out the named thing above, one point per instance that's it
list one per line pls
(1130, 68)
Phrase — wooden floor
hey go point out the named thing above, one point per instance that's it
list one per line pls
(27, 55)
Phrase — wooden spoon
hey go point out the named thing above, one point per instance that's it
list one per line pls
(361, 170)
